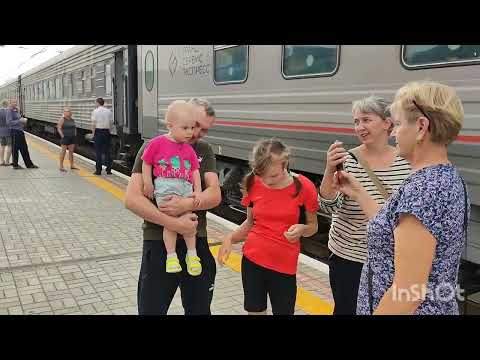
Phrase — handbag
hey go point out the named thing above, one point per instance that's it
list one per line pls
(381, 189)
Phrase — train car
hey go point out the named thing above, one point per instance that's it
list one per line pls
(75, 79)
(302, 94)
(11, 90)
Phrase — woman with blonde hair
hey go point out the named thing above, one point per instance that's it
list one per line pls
(416, 239)
(67, 130)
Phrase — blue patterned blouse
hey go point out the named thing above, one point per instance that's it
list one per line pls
(435, 196)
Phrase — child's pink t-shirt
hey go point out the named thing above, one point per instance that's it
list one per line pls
(171, 159)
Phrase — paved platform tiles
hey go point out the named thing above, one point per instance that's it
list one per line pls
(68, 246)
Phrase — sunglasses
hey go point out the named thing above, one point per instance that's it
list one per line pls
(421, 110)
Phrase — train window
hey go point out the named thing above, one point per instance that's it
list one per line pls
(108, 79)
(87, 81)
(45, 90)
(71, 86)
(414, 56)
(80, 80)
(93, 75)
(230, 63)
(60, 87)
(65, 85)
(149, 71)
(57, 88)
(309, 60)
(53, 92)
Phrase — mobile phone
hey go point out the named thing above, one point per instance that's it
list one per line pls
(339, 174)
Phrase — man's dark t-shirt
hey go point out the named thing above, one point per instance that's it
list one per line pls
(206, 157)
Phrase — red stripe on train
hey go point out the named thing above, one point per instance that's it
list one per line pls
(287, 127)
(306, 128)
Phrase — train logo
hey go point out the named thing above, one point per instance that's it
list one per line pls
(172, 64)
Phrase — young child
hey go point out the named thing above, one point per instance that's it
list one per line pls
(274, 198)
(176, 171)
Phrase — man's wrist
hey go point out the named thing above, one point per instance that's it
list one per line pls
(190, 204)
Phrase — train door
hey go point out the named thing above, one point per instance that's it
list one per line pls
(149, 89)
(118, 93)
(19, 95)
(131, 90)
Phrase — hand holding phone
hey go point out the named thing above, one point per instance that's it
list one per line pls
(339, 174)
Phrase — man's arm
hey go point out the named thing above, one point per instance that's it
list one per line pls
(11, 122)
(94, 125)
(211, 196)
(137, 203)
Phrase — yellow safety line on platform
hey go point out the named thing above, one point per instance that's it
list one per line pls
(306, 301)
(83, 172)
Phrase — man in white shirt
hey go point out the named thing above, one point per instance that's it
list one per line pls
(102, 122)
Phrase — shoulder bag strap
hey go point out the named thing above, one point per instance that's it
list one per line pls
(371, 174)
(385, 195)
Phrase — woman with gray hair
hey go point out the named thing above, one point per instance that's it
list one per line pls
(378, 168)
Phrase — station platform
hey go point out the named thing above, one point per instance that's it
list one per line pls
(69, 246)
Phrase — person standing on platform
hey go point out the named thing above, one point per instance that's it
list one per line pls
(156, 287)
(102, 123)
(68, 131)
(5, 137)
(281, 208)
(16, 123)
(377, 166)
(416, 239)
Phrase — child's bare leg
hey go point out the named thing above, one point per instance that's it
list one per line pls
(194, 267)
(190, 241)
(170, 240)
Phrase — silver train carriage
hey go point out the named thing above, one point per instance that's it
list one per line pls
(302, 94)
(75, 79)
(11, 90)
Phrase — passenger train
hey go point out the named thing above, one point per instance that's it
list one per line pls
(301, 94)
